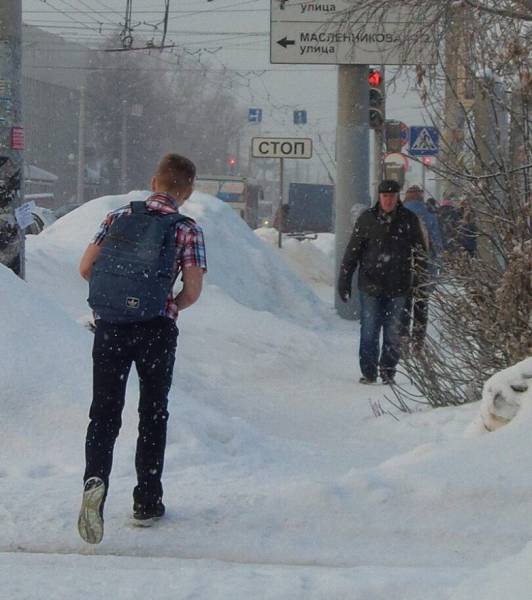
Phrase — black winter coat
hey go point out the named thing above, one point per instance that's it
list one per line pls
(386, 249)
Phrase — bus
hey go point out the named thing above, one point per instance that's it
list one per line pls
(241, 194)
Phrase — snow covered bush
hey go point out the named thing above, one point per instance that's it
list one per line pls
(506, 394)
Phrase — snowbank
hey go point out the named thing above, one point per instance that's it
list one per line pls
(239, 263)
(505, 395)
(509, 578)
(312, 260)
(43, 366)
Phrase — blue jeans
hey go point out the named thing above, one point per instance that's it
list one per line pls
(380, 313)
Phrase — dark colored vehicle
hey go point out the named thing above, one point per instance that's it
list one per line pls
(310, 208)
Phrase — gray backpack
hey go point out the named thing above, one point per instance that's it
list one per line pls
(134, 272)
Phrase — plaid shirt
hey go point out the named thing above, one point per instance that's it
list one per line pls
(188, 236)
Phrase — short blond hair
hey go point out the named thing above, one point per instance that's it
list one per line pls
(175, 173)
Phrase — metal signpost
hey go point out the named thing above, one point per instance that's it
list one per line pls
(11, 137)
(281, 148)
(347, 34)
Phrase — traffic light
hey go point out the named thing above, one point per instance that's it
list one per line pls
(231, 163)
(376, 98)
(392, 136)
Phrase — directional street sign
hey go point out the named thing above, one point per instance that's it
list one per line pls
(255, 115)
(300, 117)
(424, 141)
(281, 147)
(322, 32)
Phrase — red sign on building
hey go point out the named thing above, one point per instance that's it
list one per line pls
(17, 138)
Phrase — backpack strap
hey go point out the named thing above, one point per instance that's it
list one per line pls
(139, 206)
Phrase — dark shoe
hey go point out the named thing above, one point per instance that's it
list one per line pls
(90, 521)
(367, 380)
(388, 379)
(145, 516)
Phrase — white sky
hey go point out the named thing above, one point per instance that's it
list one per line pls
(232, 34)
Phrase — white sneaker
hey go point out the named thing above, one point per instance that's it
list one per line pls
(90, 521)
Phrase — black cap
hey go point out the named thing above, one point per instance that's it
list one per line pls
(389, 186)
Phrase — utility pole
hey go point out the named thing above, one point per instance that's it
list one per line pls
(11, 136)
(281, 220)
(123, 159)
(456, 50)
(80, 195)
(352, 172)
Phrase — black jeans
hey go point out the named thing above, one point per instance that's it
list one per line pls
(151, 345)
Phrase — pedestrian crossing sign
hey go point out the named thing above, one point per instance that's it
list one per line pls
(424, 141)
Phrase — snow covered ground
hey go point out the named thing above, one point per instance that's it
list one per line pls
(280, 483)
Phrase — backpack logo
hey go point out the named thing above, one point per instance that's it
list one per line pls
(132, 302)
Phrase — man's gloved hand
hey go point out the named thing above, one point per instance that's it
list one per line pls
(344, 288)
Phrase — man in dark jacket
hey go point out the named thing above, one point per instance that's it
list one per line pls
(386, 245)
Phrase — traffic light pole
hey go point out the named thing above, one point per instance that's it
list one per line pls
(281, 204)
(378, 145)
(352, 172)
(378, 140)
(11, 135)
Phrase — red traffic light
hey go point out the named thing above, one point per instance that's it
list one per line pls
(374, 77)
(231, 161)
(427, 160)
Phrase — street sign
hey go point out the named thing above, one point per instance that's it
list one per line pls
(17, 138)
(398, 159)
(424, 141)
(281, 147)
(255, 115)
(300, 117)
(346, 32)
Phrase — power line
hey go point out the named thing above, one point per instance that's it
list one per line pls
(151, 12)
(68, 16)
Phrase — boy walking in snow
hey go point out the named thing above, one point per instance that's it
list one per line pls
(138, 328)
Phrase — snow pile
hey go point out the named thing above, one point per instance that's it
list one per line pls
(312, 260)
(43, 367)
(509, 578)
(239, 263)
(506, 394)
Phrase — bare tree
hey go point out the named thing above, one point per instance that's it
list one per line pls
(173, 104)
(478, 93)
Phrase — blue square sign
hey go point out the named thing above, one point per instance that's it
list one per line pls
(255, 115)
(300, 117)
(424, 141)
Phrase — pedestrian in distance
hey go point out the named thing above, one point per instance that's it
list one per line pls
(386, 245)
(416, 313)
(432, 205)
(131, 265)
